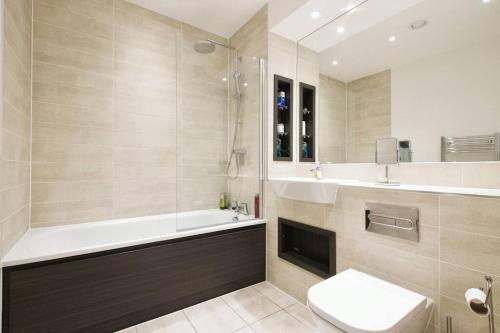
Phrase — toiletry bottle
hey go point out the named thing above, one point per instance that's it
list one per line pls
(317, 171)
(256, 205)
(279, 149)
(222, 201)
(305, 152)
(282, 101)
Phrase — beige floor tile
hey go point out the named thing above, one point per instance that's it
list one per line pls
(246, 329)
(176, 322)
(214, 316)
(301, 313)
(280, 322)
(274, 294)
(250, 304)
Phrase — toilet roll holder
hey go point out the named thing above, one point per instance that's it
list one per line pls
(485, 308)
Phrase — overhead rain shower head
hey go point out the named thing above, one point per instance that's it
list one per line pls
(207, 46)
(204, 47)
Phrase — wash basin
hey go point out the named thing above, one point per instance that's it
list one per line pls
(322, 191)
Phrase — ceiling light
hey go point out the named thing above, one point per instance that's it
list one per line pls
(224, 79)
(485, 1)
(335, 63)
(392, 39)
(245, 84)
(340, 30)
(417, 24)
(315, 14)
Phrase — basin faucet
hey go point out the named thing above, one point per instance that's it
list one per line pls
(239, 209)
(317, 171)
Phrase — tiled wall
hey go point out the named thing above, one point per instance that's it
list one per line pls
(15, 156)
(251, 43)
(111, 82)
(333, 120)
(369, 115)
(459, 244)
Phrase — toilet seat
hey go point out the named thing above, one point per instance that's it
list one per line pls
(363, 303)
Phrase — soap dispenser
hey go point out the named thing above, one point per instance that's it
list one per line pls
(317, 171)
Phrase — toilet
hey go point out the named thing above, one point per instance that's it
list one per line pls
(355, 302)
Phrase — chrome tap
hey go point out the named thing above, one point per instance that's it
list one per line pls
(239, 209)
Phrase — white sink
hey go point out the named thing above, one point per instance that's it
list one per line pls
(322, 191)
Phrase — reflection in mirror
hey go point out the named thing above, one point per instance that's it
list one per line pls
(424, 71)
(386, 151)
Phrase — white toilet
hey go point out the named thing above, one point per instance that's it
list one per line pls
(355, 302)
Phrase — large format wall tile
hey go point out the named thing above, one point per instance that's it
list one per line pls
(15, 131)
(123, 111)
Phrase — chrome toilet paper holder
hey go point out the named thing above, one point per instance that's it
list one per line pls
(484, 307)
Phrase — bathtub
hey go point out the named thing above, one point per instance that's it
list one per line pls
(109, 275)
(40, 244)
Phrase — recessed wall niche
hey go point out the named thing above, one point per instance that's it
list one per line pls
(283, 119)
(307, 122)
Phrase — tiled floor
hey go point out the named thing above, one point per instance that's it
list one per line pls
(261, 308)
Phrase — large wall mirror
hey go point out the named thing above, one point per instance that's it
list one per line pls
(424, 71)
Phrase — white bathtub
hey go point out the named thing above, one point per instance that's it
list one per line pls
(39, 244)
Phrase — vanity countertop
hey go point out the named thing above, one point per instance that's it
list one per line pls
(468, 191)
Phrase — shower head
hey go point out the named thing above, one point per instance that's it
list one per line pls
(207, 46)
(204, 47)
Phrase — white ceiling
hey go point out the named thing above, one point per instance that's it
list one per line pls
(221, 17)
(300, 23)
(453, 24)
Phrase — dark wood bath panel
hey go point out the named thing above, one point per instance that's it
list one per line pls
(113, 290)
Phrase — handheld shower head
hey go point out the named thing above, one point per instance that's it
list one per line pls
(236, 77)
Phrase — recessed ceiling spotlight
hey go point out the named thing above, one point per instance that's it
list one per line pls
(335, 63)
(340, 30)
(485, 1)
(224, 79)
(315, 14)
(392, 39)
(245, 84)
(418, 24)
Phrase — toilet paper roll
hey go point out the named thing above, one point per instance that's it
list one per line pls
(476, 300)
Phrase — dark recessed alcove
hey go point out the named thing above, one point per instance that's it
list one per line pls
(306, 246)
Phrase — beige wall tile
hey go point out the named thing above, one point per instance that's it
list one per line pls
(53, 54)
(72, 39)
(69, 96)
(418, 270)
(485, 175)
(49, 73)
(72, 116)
(14, 166)
(51, 172)
(64, 153)
(102, 10)
(46, 12)
(67, 212)
(70, 191)
(471, 250)
(476, 215)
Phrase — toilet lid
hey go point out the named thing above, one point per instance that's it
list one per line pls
(360, 303)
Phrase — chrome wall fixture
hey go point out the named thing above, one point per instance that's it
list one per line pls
(471, 148)
(480, 302)
(391, 220)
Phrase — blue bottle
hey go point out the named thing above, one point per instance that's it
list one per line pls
(282, 101)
